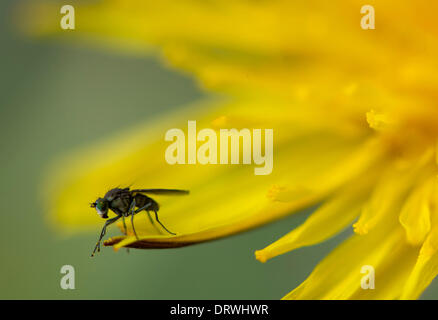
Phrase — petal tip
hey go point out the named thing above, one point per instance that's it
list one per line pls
(261, 256)
(376, 120)
(360, 229)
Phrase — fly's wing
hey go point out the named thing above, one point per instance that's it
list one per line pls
(117, 193)
(170, 192)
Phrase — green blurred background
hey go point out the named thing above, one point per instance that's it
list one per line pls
(52, 92)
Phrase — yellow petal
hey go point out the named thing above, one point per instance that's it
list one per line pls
(415, 214)
(339, 275)
(251, 220)
(332, 217)
(426, 268)
(391, 191)
(223, 199)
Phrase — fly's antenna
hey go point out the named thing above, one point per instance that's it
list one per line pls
(93, 204)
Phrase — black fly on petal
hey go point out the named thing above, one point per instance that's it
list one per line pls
(126, 202)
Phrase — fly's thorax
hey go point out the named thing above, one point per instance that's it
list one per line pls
(121, 204)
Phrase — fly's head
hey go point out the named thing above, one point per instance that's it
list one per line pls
(101, 206)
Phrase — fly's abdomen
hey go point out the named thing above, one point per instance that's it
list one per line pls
(141, 200)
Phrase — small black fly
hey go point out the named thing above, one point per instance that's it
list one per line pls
(125, 202)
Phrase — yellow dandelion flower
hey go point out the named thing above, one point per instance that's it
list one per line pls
(354, 114)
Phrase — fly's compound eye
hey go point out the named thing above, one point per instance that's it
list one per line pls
(101, 208)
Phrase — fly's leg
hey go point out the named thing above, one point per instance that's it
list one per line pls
(153, 223)
(150, 218)
(156, 217)
(124, 224)
(103, 232)
(149, 215)
(132, 212)
(142, 208)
